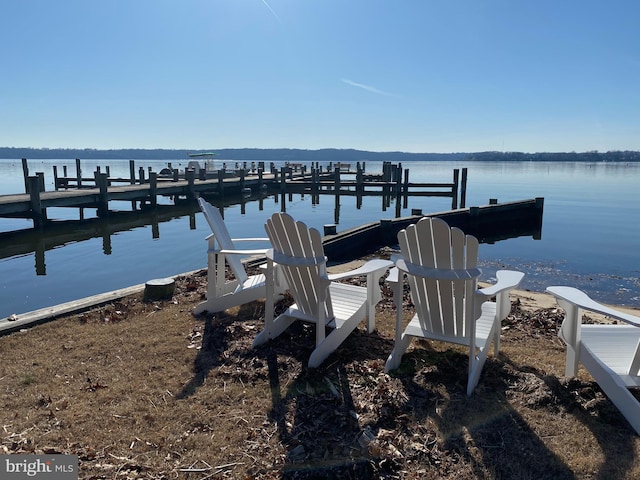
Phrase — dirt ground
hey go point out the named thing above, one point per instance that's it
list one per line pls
(147, 390)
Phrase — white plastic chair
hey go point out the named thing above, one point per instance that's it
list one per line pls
(610, 353)
(440, 264)
(319, 298)
(243, 288)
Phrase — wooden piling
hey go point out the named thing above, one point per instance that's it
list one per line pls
(78, 174)
(39, 214)
(153, 188)
(132, 172)
(191, 178)
(25, 175)
(40, 176)
(454, 189)
(463, 189)
(283, 179)
(103, 198)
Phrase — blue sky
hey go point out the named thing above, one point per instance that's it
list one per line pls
(381, 75)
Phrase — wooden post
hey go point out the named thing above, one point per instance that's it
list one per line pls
(132, 172)
(78, 174)
(242, 173)
(359, 179)
(40, 176)
(55, 177)
(221, 181)
(454, 189)
(463, 189)
(330, 229)
(202, 174)
(141, 173)
(38, 214)
(283, 179)
(191, 178)
(103, 199)
(539, 206)
(406, 187)
(25, 175)
(336, 180)
(153, 188)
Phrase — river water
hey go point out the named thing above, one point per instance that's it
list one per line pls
(590, 234)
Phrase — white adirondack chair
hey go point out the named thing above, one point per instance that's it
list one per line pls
(610, 353)
(244, 288)
(318, 297)
(440, 264)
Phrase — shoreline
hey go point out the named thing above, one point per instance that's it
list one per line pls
(529, 300)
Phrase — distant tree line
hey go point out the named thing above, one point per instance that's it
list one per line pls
(593, 156)
(321, 155)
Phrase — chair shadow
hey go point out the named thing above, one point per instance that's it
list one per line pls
(599, 415)
(214, 342)
(478, 426)
(484, 430)
(316, 407)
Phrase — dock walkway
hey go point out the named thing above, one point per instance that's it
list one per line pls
(99, 190)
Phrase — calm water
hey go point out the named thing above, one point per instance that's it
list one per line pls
(590, 234)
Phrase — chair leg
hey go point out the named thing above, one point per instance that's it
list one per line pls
(619, 395)
(394, 360)
(278, 326)
(335, 338)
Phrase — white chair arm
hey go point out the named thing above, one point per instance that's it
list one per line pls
(582, 300)
(250, 240)
(372, 266)
(506, 280)
(259, 251)
(394, 275)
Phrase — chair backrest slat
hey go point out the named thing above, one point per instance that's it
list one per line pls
(225, 242)
(442, 305)
(296, 240)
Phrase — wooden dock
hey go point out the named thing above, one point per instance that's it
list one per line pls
(489, 223)
(100, 189)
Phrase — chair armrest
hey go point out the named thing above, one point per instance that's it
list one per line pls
(394, 275)
(506, 280)
(259, 251)
(582, 300)
(371, 266)
(250, 240)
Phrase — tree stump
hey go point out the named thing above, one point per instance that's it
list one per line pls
(159, 289)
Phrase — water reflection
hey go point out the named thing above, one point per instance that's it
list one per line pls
(64, 232)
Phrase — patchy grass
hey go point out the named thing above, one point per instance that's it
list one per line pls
(147, 390)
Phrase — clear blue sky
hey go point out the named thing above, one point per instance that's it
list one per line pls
(381, 75)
